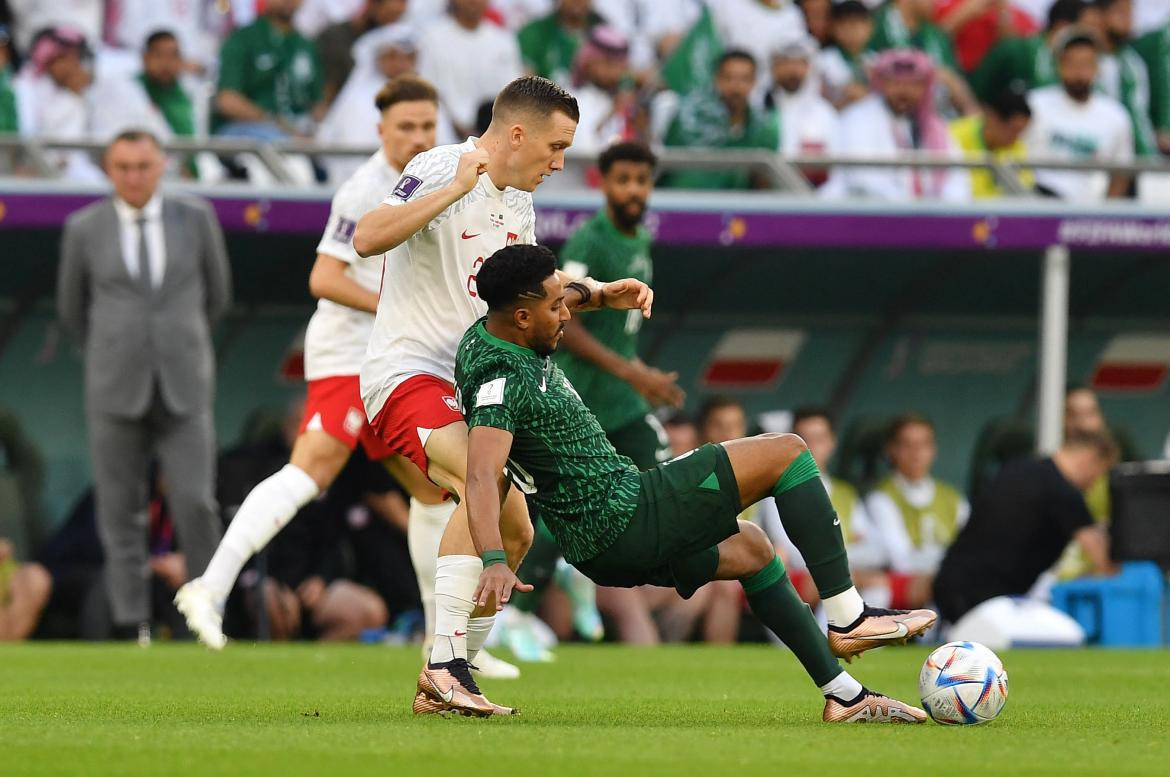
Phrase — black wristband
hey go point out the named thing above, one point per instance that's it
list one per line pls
(583, 290)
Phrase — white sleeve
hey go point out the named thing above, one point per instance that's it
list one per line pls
(427, 173)
(1122, 150)
(891, 531)
(344, 213)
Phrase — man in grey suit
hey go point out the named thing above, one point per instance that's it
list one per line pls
(142, 277)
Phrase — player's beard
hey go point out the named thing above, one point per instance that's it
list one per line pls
(549, 348)
(1078, 90)
(629, 214)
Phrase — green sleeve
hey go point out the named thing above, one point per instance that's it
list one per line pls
(1154, 49)
(232, 59)
(496, 400)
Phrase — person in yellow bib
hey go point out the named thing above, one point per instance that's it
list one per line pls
(998, 130)
(916, 515)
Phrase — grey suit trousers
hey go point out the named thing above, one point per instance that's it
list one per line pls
(121, 450)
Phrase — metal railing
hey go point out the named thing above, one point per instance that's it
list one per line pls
(783, 173)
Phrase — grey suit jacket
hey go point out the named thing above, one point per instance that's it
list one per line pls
(132, 338)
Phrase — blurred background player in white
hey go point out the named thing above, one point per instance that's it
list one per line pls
(453, 207)
(335, 342)
(916, 515)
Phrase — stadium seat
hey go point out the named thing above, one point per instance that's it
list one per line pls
(1001, 440)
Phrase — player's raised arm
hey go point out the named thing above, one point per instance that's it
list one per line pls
(389, 226)
(588, 294)
(487, 485)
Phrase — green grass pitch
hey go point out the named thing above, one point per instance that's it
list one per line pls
(327, 710)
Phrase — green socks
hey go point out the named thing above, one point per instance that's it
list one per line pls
(775, 602)
(812, 525)
(537, 569)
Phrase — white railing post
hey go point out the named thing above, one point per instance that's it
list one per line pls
(1053, 357)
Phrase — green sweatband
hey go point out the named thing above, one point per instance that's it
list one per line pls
(490, 557)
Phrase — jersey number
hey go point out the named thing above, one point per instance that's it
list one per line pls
(521, 477)
(471, 290)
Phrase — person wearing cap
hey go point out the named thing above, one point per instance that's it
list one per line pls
(809, 125)
(549, 45)
(1072, 120)
(270, 78)
(336, 41)
(898, 117)
(997, 130)
(1028, 61)
(601, 84)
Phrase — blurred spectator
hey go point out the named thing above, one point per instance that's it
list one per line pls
(916, 516)
(1028, 61)
(998, 130)
(549, 45)
(1072, 121)
(1154, 49)
(488, 58)
(754, 26)
(153, 100)
(898, 116)
(1022, 522)
(197, 29)
(140, 273)
(335, 43)
(601, 84)
(817, 19)
(901, 24)
(653, 27)
(269, 78)
(24, 591)
(976, 26)
(841, 65)
(682, 433)
(1122, 73)
(722, 118)
(30, 17)
(866, 554)
(52, 97)
(809, 125)
(8, 118)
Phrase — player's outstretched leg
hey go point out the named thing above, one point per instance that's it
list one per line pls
(780, 465)
(316, 460)
(460, 631)
(749, 557)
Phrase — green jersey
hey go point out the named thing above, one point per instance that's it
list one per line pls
(548, 47)
(1025, 62)
(560, 456)
(174, 104)
(280, 72)
(599, 250)
(703, 121)
(1154, 49)
(890, 32)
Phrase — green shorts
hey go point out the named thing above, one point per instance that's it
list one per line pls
(686, 507)
(643, 440)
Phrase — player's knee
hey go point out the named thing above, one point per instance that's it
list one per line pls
(783, 449)
(756, 544)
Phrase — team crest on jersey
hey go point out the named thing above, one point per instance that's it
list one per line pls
(354, 419)
(513, 238)
(343, 232)
(497, 219)
(452, 403)
(405, 187)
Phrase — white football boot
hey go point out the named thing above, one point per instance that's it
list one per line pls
(203, 617)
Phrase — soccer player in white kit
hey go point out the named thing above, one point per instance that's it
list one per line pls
(453, 207)
(335, 422)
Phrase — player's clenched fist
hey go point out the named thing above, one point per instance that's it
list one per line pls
(472, 164)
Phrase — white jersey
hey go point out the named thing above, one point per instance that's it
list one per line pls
(1062, 128)
(335, 341)
(428, 285)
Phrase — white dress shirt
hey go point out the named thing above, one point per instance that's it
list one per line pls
(128, 217)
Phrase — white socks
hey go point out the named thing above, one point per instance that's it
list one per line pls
(844, 608)
(456, 578)
(424, 532)
(477, 634)
(267, 509)
(843, 687)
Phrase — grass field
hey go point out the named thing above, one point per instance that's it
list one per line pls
(345, 710)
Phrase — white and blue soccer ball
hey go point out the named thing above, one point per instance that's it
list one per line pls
(963, 683)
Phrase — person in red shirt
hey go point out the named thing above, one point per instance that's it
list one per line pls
(976, 25)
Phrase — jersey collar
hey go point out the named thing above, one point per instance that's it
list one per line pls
(505, 344)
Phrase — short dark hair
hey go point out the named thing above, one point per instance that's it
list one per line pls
(733, 54)
(1075, 39)
(405, 88)
(535, 96)
(158, 36)
(809, 412)
(906, 419)
(713, 403)
(1100, 441)
(849, 9)
(1066, 12)
(626, 151)
(514, 271)
(1010, 102)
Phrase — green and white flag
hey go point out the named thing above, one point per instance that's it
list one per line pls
(692, 63)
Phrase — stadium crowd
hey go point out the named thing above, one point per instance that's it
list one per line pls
(1078, 80)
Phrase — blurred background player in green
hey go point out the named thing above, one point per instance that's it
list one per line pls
(599, 356)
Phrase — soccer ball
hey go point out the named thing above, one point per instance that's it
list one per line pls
(963, 683)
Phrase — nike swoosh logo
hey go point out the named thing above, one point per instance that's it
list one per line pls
(543, 385)
(897, 633)
(448, 694)
(466, 236)
(461, 634)
(837, 521)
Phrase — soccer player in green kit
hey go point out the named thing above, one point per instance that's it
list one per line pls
(675, 524)
(599, 355)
